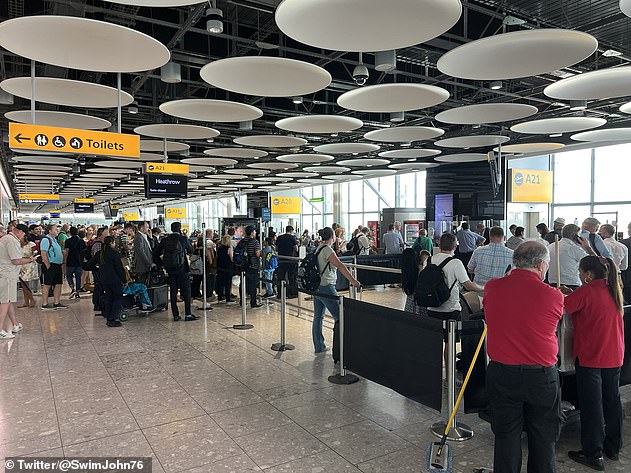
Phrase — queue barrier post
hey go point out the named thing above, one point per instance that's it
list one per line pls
(342, 377)
(283, 345)
(205, 306)
(244, 325)
(458, 432)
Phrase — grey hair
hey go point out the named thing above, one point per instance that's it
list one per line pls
(570, 231)
(611, 231)
(592, 222)
(530, 254)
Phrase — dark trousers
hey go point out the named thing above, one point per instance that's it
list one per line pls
(524, 398)
(113, 300)
(601, 410)
(197, 287)
(73, 275)
(626, 290)
(224, 285)
(288, 273)
(464, 257)
(252, 285)
(180, 281)
(97, 293)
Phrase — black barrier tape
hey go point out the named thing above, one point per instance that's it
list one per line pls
(318, 294)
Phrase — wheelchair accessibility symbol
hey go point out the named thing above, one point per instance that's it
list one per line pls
(59, 141)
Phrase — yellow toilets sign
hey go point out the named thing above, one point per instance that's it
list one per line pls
(174, 212)
(530, 186)
(286, 205)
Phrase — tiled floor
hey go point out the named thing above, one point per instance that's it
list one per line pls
(202, 397)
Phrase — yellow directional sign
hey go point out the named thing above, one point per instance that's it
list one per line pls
(39, 198)
(130, 216)
(80, 200)
(166, 168)
(115, 206)
(70, 140)
(175, 212)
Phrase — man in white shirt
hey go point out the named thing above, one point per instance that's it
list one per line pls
(572, 249)
(364, 243)
(619, 251)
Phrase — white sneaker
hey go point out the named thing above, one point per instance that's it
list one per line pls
(6, 335)
(18, 328)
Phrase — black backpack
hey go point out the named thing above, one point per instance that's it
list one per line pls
(431, 285)
(240, 256)
(84, 258)
(309, 274)
(173, 255)
(352, 247)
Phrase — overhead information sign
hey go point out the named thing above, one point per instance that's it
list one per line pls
(83, 208)
(175, 212)
(531, 186)
(166, 185)
(82, 200)
(55, 214)
(131, 216)
(166, 168)
(70, 140)
(286, 205)
(38, 198)
(115, 206)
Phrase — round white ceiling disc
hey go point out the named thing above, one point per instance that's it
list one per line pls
(461, 158)
(625, 108)
(594, 85)
(258, 183)
(363, 162)
(158, 146)
(366, 25)
(157, 3)
(272, 179)
(404, 134)
(273, 166)
(242, 153)
(42, 167)
(234, 185)
(176, 131)
(210, 161)
(304, 158)
(243, 173)
(270, 141)
(195, 168)
(326, 169)
(274, 188)
(39, 173)
(120, 164)
(522, 148)
(611, 134)
(156, 158)
(265, 76)
(59, 119)
(413, 166)
(119, 173)
(347, 148)
(486, 113)
(297, 175)
(207, 181)
(313, 180)
(517, 54)
(374, 172)
(387, 98)
(338, 177)
(550, 126)
(319, 124)
(210, 110)
(409, 153)
(82, 43)
(625, 6)
(225, 177)
(98, 179)
(72, 93)
(43, 159)
(473, 141)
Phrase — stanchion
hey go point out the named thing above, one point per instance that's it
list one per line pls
(205, 306)
(458, 432)
(244, 325)
(283, 346)
(342, 377)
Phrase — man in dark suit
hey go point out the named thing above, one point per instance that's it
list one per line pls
(143, 258)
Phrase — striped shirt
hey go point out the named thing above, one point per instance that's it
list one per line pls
(490, 262)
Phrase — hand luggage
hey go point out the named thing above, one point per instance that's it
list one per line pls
(159, 296)
(157, 278)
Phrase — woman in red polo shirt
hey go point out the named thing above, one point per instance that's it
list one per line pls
(596, 309)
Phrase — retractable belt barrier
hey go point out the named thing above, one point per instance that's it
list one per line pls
(244, 325)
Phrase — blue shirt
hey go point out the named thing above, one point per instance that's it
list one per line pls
(598, 243)
(393, 241)
(468, 240)
(54, 253)
(490, 262)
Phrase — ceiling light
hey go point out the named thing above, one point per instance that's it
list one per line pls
(510, 20)
(247, 125)
(406, 145)
(360, 73)
(6, 98)
(556, 135)
(214, 21)
(133, 108)
(496, 85)
(612, 53)
(171, 73)
(386, 61)
(334, 135)
(578, 104)
(296, 100)
(397, 117)
(210, 140)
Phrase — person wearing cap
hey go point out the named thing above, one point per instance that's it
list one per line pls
(253, 251)
(589, 231)
(559, 223)
(10, 261)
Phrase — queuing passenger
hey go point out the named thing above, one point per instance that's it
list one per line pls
(270, 263)
(339, 246)
(253, 252)
(626, 275)
(517, 238)
(467, 242)
(572, 248)
(542, 229)
(423, 242)
(143, 257)
(52, 258)
(112, 279)
(589, 230)
(10, 261)
(491, 261)
(597, 312)
(156, 235)
(397, 229)
(74, 246)
(172, 253)
(211, 266)
(511, 229)
(393, 241)
(479, 229)
(522, 377)
(63, 235)
(363, 241)
(29, 273)
(412, 263)
(287, 245)
(97, 292)
(619, 252)
(225, 270)
(558, 225)
(328, 264)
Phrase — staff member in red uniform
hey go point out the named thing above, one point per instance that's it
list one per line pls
(522, 313)
(596, 309)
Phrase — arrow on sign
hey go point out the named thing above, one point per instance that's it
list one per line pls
(19, 138)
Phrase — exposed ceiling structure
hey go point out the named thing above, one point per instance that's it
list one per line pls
(250, 31)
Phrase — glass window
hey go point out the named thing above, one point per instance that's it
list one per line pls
(371, 199)
(387, 190)
(572, 176)
(572, 213)
(354, 220)
(421, 181)
(407, 190)
(355, 197)
(612, 169)
(607, 214)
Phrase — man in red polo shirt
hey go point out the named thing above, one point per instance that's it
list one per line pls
(522, 314)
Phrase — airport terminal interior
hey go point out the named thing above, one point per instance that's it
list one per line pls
(308, 235)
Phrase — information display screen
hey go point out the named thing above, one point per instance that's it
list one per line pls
(83, 208)
(166, 185)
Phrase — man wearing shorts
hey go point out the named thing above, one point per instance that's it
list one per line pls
(10, 261)
(52, 259)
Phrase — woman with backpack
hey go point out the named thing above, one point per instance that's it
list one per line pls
(112, 277)
(225, 270)
(411, 264)
(270, 263)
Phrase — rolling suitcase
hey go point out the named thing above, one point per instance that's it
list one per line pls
(159, 296)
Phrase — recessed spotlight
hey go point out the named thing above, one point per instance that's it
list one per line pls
(612, 53)
(133, 108)
(296, 100)
(578, 104)
(210, 140)
(334, 135)
(496, 85)
(247, 125)
(397, 117)
(407, 145)
(555, 135)
(171, 73)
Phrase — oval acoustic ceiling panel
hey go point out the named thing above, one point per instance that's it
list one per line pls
(409, 153)
(461, 158)
(265, 76)
(625, 7)
(210, 110)
(82, 43)
(366, 25)
(346, 148)
(156, 3)
(241, 153)
(486, 113)
(609, 134)
(549, 126)
(594, 85)
(319, 124)
(523, 148)
(304, 158)
(176, 131)
(210, 161)
(404, 134)
(518, 54)
(158, 145)
(270, 141)
(387, 98)
(472, 141)
(363, 162)
(59, 119)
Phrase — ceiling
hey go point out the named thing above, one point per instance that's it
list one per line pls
(250, 30)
